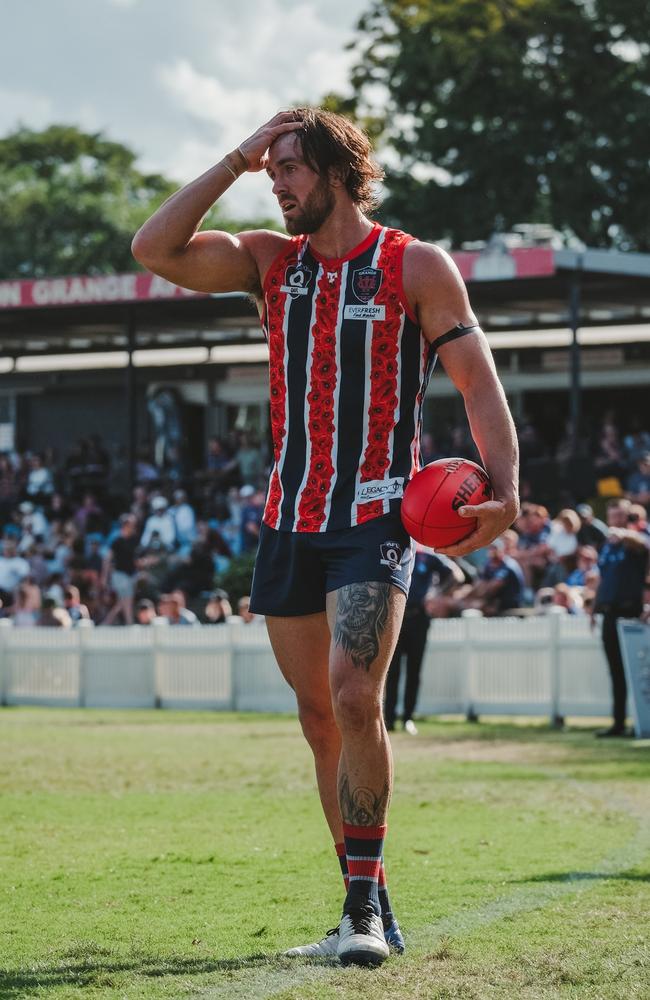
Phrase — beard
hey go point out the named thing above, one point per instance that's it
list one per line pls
(310, 216)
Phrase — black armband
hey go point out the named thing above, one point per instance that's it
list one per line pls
(458, 331)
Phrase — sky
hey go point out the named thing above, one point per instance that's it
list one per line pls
(181, 82)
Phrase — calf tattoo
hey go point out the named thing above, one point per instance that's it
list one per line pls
(362, 806)
(361, 616)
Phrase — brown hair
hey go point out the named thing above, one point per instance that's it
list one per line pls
(332, 142)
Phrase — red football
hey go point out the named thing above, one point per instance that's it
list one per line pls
(432, 499)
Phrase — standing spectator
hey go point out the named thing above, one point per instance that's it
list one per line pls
(592, 530)
(249, 461)
(432, 575)
(161, 523)
(13, 570)
(119, 570)
(8, 488)
(184, 518)
(609, 461)
(89, 517)
(623, 565)
(252, 509)
(33, 525)
(637, 484)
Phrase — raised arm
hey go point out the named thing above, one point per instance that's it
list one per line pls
(170, 245)
(438, 295)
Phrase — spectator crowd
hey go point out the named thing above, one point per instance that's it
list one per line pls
(76, 545)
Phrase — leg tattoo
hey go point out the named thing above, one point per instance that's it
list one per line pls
(361, 616)
(361, 806)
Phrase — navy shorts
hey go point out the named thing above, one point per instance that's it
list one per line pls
(294, 570)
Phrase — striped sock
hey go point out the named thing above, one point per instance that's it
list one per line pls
(343, 861)
(387, 915)
(363, 848)
(384, 901)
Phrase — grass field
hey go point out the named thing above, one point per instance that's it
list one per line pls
(160, 855)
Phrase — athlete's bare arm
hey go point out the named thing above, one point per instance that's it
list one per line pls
(437, 294)
(169, 242)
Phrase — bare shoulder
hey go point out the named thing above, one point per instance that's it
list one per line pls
(435, 289)
(263, 245)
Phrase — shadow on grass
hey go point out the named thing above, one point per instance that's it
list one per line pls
(98, 969)
(582, 877)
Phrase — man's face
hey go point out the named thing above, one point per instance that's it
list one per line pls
(305, 198)
(617, 517)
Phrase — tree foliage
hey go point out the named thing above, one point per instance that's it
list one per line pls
(70, 203)
(505, 111)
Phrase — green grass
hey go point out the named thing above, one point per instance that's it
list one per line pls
(175, 855)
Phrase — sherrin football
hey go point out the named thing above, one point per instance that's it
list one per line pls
(435, 494)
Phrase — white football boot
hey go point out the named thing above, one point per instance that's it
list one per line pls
(325, 948)
(361, 937)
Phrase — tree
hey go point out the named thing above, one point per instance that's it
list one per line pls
(70, 203)
(507, 111)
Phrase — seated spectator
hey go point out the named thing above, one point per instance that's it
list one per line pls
(586, 563)
(40, 481)
(220, 465)
(562, 545)
(637, 518)
(194, 574)
(218, 608)
(161, 523)
(567, 598)
(184, 518)
(33, 525)
(635, 445)
(52, 615)
(27, 606)
(246, 615)
(72, 604)
(637, 484)
(592, 530)
(9, 488)
(145, 612)
(533, 555)
(172, 607)
(89, 516)
(13, 569)
(498, 589)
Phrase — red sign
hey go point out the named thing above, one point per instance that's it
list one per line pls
(492, 264)
(87, 290)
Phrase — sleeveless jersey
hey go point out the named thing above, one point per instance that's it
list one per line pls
(349, 368)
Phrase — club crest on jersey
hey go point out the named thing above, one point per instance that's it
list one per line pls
(391, 554)
(296, 280)
(366, 282)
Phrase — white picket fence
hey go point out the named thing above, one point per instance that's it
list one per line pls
(536, 666)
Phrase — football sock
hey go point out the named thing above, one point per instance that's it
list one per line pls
(384, 901)
(387, 914)
(363, 847)
(343, 862)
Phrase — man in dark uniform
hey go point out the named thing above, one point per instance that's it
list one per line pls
(623, 565)
(431, 572)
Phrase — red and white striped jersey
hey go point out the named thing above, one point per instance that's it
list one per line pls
(349, 367)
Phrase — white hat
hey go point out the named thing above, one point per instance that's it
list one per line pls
(158, 503)
(247, 491)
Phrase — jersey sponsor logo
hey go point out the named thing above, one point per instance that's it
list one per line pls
(380, 489)
(365, 312)
(366, 282)
(296, 280)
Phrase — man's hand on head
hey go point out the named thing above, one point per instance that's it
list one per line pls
(255, 149)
